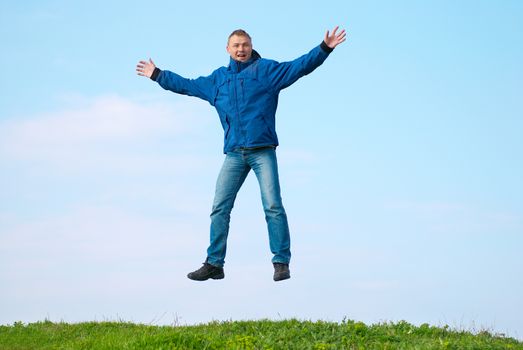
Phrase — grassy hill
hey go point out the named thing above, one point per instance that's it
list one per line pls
(263, 334)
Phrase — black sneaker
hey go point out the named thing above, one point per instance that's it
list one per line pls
(207, 271)
(281, 272)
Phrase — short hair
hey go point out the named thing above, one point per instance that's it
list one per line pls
(239, 32)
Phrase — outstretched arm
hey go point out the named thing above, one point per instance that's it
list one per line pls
(145, 68)
(281, 75)
(202, 87)
(333, 40)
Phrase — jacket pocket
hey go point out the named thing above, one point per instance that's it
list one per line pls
(220, 93)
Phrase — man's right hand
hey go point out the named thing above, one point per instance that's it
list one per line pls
(145, 68)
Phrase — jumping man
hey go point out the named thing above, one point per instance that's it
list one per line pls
(245, 95)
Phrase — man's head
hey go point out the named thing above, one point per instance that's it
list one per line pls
(239, 45)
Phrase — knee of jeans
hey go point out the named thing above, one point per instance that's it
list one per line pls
(221, 209)
(273, 207)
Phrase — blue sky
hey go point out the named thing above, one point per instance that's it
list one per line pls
(400, 164)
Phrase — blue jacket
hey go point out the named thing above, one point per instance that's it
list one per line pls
(246, 94)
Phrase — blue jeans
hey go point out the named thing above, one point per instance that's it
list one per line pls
(235, 169)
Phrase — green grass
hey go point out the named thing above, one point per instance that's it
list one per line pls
(264, 334)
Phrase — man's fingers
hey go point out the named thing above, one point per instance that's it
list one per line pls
(335, 35)
(341, 36)
(145, 63)
(145, 68)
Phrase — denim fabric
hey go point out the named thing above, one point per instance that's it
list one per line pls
(236, 167)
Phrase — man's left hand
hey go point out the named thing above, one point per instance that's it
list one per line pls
(334, 39)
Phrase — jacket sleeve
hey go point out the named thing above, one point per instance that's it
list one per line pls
(202, 87)
(282, 75)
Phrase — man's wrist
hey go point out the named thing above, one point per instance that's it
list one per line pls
(326, 47)
(156, 73)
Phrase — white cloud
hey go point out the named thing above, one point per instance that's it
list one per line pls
(105, 241)
(111, 134)
(102, 125)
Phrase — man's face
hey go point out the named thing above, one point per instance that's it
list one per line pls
(240, 48)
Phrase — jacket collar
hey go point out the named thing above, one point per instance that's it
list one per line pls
(237, 66)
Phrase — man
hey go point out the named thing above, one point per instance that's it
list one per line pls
(245, 94)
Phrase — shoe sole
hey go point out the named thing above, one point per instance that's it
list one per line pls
(281, 278)
(215, 277)
(218, 277)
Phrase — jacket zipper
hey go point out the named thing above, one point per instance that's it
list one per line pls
(240, 128)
